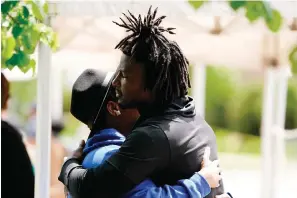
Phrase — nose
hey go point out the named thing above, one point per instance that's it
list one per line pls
(115, 81)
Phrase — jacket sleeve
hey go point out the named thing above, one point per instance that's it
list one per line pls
(17, 171)
(196, 186)
(145, 150)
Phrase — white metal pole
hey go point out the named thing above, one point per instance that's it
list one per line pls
(267, 119)
(43, 135)
(283, 74)
(279, 149)
(199, 88)
(57, 93)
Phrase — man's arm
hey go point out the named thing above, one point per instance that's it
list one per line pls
(196, 187)
(145, 150)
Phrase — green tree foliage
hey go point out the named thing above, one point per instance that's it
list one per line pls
(22, 28)
(293, 59)
(255, 10)
(236, 104)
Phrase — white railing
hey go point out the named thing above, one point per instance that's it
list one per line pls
(272, 129)
(291, 134)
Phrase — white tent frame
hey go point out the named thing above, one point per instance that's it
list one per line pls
(274, 103)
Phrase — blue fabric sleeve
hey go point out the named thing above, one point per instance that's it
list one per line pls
(196, 186)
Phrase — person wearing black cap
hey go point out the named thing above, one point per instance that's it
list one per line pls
(106, 141)
(168, 137)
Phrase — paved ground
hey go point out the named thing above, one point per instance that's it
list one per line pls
(245, 182)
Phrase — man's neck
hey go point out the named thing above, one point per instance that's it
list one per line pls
(113, 122)
(151, 109)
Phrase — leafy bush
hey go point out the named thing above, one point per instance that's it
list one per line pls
(238, 107)
(250, 111)
(291, 113)
(248, 116)
(220, 92)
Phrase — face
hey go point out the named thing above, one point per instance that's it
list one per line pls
(129, 84)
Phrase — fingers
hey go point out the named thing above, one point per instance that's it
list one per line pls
(215, 166)
(215, 163)
(219, 178)
(206, 161)
(206, 154)
(82, 144)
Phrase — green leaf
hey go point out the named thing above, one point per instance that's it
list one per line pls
(275, 23)
(30, 40)
(7, 6)
(13, 61)
(36, 11)
(267, 10)
(19, 59)
(40, 27)
(25, 69)
(9, 48)
(252, 16)
(293, 59)
(45, 8)
(54, 43)
(26, 12)
(32, 65)
(49, 37)
(24, 59)
(26, 41)
(235, 5)
(16, 30)
(196, 4)
(254, 10)
(21, 19)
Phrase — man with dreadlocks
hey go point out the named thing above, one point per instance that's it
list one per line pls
(168, 137)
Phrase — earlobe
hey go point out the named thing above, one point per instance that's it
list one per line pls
(117, 112)
(113, 108)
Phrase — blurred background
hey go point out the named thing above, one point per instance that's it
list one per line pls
(233, 51)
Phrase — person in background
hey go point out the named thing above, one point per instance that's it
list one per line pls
(30, 127)
(17, 177)
(88, 95)
(58, 152)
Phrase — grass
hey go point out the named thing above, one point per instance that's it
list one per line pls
(240, 143)
(227, 141)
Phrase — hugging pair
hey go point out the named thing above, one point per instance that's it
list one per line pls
(92, 93)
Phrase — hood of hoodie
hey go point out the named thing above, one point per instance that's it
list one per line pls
(182, 106)
(102, 138)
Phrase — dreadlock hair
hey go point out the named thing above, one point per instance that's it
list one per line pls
(165, 66)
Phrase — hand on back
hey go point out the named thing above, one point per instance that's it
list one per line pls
(210, 170)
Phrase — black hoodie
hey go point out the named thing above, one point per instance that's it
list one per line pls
(165, 145)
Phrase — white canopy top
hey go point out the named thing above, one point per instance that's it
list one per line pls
(87, 27)
(88, 36)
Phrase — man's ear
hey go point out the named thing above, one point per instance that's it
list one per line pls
(113, 108)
